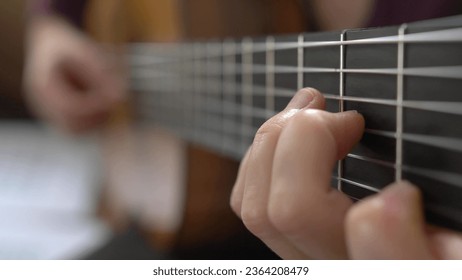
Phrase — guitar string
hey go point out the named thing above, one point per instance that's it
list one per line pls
(341, 104)
(449, 107)
(449, 72)
(212, 109)
(228, 88)
(270, 82)
(451, 35)
(212, 136)
(359, 70)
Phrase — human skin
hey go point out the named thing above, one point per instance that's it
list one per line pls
(68, 80)
(283, 194)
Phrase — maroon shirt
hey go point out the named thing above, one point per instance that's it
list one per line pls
(392, 12)
(386, 12)
(73, 10)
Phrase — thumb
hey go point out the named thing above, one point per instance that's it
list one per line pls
(389, 225)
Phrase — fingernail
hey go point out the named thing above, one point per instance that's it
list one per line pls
(351, 115)
(350, 112)
(302, 99)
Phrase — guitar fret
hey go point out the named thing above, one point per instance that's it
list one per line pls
(209, 88)
(399, 105)
(246, 89)
(300, 62)
(198, 87)
(341, 100)
(229, 91)
(269, 100)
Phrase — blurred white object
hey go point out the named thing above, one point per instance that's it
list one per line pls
(49, 186)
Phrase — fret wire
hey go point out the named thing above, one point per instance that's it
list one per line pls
(269, 100)
(198, 90)
(399, 105)
(184, 96)
(300, 62)
(341, 105)
(246, 87)
(208, 83)
(220, 93)
(229, 88)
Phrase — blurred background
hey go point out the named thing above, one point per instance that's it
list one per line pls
(125, 191)
(49, 183)
(122, 192)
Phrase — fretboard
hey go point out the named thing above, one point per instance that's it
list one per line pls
(406, 80)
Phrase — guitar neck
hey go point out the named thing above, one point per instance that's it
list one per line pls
(406, 80)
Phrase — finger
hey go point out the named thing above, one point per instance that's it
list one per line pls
(88, 82)
(238, 188)
(259, 167)
(74, 103)
(302, 204)
(444, 243)
(389, 225)
(69, 112)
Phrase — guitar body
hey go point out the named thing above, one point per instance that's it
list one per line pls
(198, 182)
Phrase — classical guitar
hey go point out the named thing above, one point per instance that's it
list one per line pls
(406, 80)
